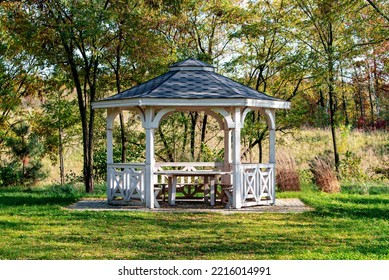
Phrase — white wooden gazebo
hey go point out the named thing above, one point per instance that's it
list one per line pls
(192, 85)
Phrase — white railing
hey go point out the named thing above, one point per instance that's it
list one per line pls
(258, 186)
(125, 181)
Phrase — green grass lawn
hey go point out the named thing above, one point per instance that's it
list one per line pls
(35, 225)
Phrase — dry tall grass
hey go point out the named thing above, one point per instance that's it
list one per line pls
(324, 175)
(371, 147)
(287, 177)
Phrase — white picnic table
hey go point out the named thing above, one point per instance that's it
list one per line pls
(209, 178)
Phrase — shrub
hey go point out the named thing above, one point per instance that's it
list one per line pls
(287, 177)
(324, 175)
(350, 167)
(64, 190)
(25, 154)
(10, 174)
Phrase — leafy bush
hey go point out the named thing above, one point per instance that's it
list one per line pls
(100, 162)
(350, 167)
(72, 178)
(305, 176)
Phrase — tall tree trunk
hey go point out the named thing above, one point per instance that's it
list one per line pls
(89, 167)
(376, 86)
(370, 90)
(360, 100)
(60, 153)
(203, 133)
(123, 138)
(185, 140)
(344, 105)
(87, 153)
(344, 102)
(194, 116)
(166, 145)
(331, 93)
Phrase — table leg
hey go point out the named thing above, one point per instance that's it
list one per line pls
(173, 190)
(228, 193)
(171, 193)
(156, 192)
(206, 189)
(212, 190)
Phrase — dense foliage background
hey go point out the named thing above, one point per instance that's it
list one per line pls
(329, 58)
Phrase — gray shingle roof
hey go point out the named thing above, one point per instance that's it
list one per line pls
(191, 79)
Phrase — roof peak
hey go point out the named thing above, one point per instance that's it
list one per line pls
(191, 64)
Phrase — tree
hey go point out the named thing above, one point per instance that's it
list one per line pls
(267, 60)
(204, 30)
(57, 122)
(17, 80)
(72, 35)
(135, 53)
(378, 9)
(323, 25)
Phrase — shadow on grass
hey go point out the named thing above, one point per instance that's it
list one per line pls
(353, 206)
(36, 197)
(250, 242)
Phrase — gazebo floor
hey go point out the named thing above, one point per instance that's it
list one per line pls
(290, 205)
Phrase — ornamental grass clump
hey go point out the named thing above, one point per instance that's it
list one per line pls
(287, 177)
(324, 175)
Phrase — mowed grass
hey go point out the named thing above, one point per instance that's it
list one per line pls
(36, 225)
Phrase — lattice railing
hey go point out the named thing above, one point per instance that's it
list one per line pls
(258, 185)
(125, 181)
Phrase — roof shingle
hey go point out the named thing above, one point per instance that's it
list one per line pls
(191, 79)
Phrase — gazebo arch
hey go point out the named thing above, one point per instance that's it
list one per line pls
(192, 85)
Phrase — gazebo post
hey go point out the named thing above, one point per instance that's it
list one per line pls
(110, 117)
(111, 114)
(226, 179)
(272, 153)
(271, 123)
(237, 191)
(150, 160)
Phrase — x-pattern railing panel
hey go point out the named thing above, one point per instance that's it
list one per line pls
(126, 181)
(257, 183)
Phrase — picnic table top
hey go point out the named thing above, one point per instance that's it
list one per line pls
(192, 172)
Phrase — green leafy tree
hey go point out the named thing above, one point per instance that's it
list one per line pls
(72, 35)
(267, 60)
(57, 123)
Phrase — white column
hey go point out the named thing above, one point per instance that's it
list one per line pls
(237, 191)
(150, 161)
(111, 114)
(272, 146)
(109, 146)
(226, 179)
(271, 122)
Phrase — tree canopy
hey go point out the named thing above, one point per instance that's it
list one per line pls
(330, 58)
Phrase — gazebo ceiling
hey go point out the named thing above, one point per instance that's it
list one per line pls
(191, 83)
